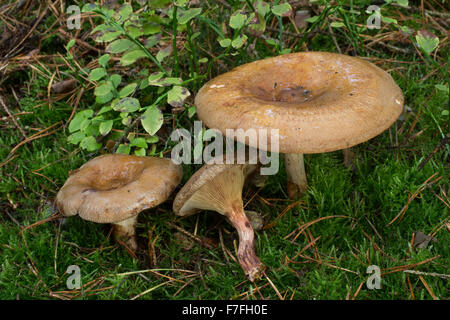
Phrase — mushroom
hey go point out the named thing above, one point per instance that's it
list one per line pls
(115, 188)
(218, 187)
(318, 101)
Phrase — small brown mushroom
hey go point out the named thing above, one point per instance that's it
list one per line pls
(115, 188)
(218, 187)
(319, 102)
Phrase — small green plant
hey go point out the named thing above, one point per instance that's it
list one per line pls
(130, 36)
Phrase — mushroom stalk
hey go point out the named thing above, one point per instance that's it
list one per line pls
(125, 231)
(296, 175)
(248, 260)
(218, 187)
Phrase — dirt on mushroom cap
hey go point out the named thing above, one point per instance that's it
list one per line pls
(318, 101)
(112, 188)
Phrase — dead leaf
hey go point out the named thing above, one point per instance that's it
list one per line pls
(64, 86)
(421, 240)
(300, 18)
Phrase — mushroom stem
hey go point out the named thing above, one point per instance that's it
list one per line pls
(248, 260)
(125, 231)
(296, 175)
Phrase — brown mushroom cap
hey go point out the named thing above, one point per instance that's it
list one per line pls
(113, 188)
(319, 101)
(182, 206)
(231, 180)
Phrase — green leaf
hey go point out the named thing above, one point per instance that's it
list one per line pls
(442, 87)
(104, 110)
(127, 105)
(152, 120)
(90, 144)
(312, 19)
(85, 124)
(258, 24)
(239, 41)
(184, 16)
(141, 152)
(127, 90)
(103, 60)
(103, 89)
(124, 12)
(96, 74)
(75, 124)
(163, 82)
(155, 76)
(101, 27)
(262, 7)
(105, 127)
(337, 24)
(427, 41)
(191, 111)
(70, 44)
(152, 139)
(152, 41)
(177, 95)
(139, 142)
(104, 99)
(403, 3)
(135, 31)
(224, 43)
(237, 20)
(388, 20)
(123, 149)
(181, 3)
(151, 28)
(271, 41)
(116, 79)
(75, 138)
(282, 10)
(89, 7)
(131, 56)
(108, 35)
(126, 121)
(120, 45)
(163, 53)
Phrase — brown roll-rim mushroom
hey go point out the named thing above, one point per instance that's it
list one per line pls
(218, 187)
(115, 188)
(319, 102)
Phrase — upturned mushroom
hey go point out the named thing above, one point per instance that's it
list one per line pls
(218, 187)
(318, 101)
(115, 188)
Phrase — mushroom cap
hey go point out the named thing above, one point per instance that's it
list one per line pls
(319, 101)
(115, 187)
(200, 178)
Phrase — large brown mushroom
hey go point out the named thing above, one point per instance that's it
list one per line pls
(218, 187)
(318, 101)
(115, 188)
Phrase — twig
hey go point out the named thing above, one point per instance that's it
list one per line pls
(440, 145)
(12, 117)
(431, 274)
(413, 196)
